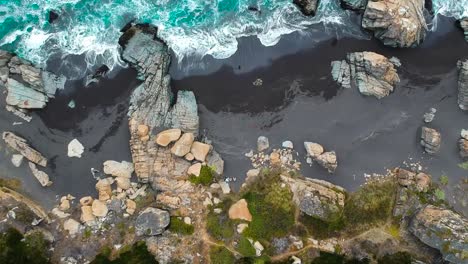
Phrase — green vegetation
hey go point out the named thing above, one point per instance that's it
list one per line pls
(397, 258)
(137, 254)
(463, 165)
(87, 233)
(323, 229)
(280, 197)
(439, 194)
(219, 226)
(206, 176)
(16, 249)
(221, 255)
(394, 231)
(178, 226)
(245, 247)
(444, 179)
(332, 258)
(13, 184)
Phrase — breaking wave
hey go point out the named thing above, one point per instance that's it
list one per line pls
(190, 27)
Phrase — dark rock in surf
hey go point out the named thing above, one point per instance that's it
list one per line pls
(53, 16)
(372, 73)
(253, 9)
(463, 85)
(397, 23)
(307, 7)
(356, 5)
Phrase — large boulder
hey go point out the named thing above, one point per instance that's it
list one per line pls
(372, 73)
(313, 149)
(21, 145)
(122, 169)
(240, 210)
(151, 221)
(316, 198)
(200, 150)
(164, 138)
(463, 85)
(397, 23)
(183, 145)
(430, 140)
(444, 230)
(307, 7)
(215, 162)
(328, 160)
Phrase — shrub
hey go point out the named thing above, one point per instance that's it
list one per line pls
(219, 226)
(206, 176)
(180, 227)
(323, 229)
(13, 184)
(137, 254)
(397, 258)
(444, 179)
(16, 249)
(280, 197)
(245, 247)
(463, 165)
(439, 194)
(221, 255)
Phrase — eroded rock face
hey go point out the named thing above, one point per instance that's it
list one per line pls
(463, 84)
(328, 161)
(41, 176)
(397, 23)
(20, 144)
(463, 144)
(464, 26)
(151, 222)
(430, 140)
(307, 7)
(372, 73)
(316, 198)
(122, 169)
(358, 5)
(444, 230)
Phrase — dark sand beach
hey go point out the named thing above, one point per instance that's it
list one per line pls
(298, 101)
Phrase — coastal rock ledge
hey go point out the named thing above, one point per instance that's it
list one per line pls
(372, 73)
(463, 85)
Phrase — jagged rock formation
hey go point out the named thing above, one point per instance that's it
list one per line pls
(444, 230)
(20, 144)
(463, 85)
(397, 23)
(358, 5)
(372, 73)
(28, 87)
(307, 7)
(316, 198)
(464, 26)
(463, 143)
(430, 140)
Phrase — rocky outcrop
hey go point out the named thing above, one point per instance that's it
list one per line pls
(316, 152)
(357, 5)
(464, 26)
(444, 230)
(307, 7)
(122, 169)
(240, 210)
(316, 198)
(421, 181)
(151, 222)
(372, 73)
(397, 23)
(430, 140)
(41, 176)
(463, 144)
(20, 144)
(27, 86)
(463, 85)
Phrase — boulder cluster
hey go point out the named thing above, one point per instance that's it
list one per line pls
(326, 159)
(430, 140)
(372, 73)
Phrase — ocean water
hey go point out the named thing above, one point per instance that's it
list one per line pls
(190, 27)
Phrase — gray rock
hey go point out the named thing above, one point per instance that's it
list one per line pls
(20, 144)
(41, 176)
(17, 160)
(31, 75)
(444, 230)
(4, 73)
(307, 7)
(151, 222)
(463, 85)
(184, 114)
(115, 205)
(429, 116)
(5, 57)
(215, 161)
(22, 96)
(372, 73)
(358, 5)
(430, 140)
(52, 83)
(397, 23)
(262, 143)
(463, 144)
(328, 160)
(464, 26)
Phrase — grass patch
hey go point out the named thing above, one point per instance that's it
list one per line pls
(221, 255)
(137, 254)
(394, 231)
(180, 227)
(444, 179)
(13, 184)
(17, 249)
(321, 229)
(463, 165)
(397, 258)
(219, 226)
(439, 194)
(205, 178)
(245, 247)
(333, 258)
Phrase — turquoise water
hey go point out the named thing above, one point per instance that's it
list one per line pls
(190, 27)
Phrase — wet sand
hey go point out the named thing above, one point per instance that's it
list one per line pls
(298, 101)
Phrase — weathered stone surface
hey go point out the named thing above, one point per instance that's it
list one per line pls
(99, 208)
(123, 183)
(463, 84)
(104, 189)
(358, 5)
(287, 144)
(168, 136)
(183, 145)
(262, 143)
(87, 200)
(200, 150)
(373, 243)
(184, 114)
(463, 144)
(444, 230)
(464, 26)
(20, 144)
(328, 161)
(22, 96)
(215, 162)
(87, 216)
(397, 23)
(194, 169)
(372, 73)
(307, 7)
(430, 140)
(41, 176)
(313, 149)
(240, 210)
(75, 149)
(151, 221)
(17, 160)
(72, 226)
(122, 169)
(131, 206)
(316, 198)
(5, 57)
